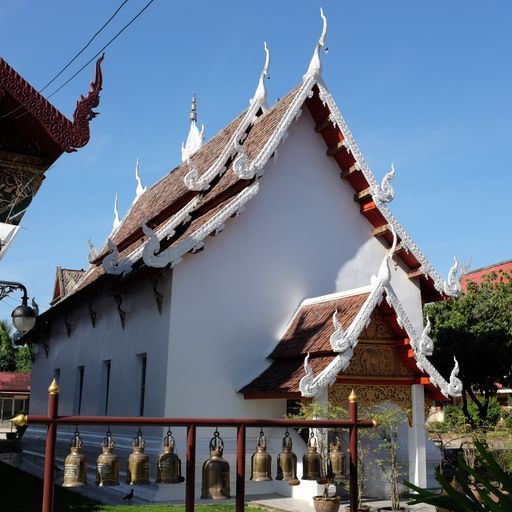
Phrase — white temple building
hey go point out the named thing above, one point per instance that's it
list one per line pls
(266, 268)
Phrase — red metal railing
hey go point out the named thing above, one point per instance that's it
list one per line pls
(52, 420)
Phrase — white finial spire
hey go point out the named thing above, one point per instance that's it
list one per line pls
(117, 220)
(140, 189)
(260, 96)
(195, 137)
(315, 66)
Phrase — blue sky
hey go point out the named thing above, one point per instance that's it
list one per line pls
(426, 85)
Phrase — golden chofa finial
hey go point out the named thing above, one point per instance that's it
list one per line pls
(352, 397)
(54, 388)
(193, 113)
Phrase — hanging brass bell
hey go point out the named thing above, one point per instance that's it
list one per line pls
(336, 460)
(75, 465)
(168, 466)
(261, 461)
(107, 465)
(287, 462)
(311, 462)
(137, 472)
(215, 484)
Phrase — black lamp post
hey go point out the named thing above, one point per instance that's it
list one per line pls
(23, 317)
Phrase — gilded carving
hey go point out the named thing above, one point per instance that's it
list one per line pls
(377, 360)
(368, 395)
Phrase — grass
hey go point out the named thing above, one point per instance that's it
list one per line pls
(23, 492)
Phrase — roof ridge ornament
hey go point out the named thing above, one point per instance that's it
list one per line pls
(384, 275)
(260, 96)
(93, 253)
(315, 65)
(111, 262)
(117, 220)
(140, 189)
(195, 138)
(385, 192)
(452, 285)
(455, 386)
(426, 345)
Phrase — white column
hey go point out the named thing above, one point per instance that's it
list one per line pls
(417, 438)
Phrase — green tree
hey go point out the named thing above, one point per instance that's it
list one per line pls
(7, 351)
(476, 328)
(12, 359)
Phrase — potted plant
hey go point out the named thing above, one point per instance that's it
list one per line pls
(387, 432)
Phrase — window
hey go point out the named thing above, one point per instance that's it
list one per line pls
(142, 365)
(79, 390)
(106, 385)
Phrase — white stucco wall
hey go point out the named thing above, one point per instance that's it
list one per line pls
(301, 236)
(145, 332)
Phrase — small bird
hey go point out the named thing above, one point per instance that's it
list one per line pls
(129, 496)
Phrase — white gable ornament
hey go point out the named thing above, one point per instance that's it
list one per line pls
(112, 264)
(140, 189)
(117, 220)
(315, 65)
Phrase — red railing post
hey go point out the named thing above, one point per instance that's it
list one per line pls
(191, 468)
(49, 453)
(352, 414)
(240, 469)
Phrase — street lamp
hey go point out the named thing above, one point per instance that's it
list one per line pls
(23, 317)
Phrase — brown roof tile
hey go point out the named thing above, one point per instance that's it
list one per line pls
(311, 327)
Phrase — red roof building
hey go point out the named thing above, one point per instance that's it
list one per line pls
(14, 393)
(477, 276)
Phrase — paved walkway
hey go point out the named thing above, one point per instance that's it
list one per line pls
(284, 504)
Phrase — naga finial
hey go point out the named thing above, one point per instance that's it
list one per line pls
(84, 112)
(117, 220)
(140, 189)
(315, 65)
(260, 96)
(452, 285)
(385, 192)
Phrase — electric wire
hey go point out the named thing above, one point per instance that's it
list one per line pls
(73, 59)
(100, 51)
(84, 47)
(88, 62)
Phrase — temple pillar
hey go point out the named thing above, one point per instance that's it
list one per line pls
(417, 438)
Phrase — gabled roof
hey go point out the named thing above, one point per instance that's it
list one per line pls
(197, 198)
(66, 280)
(325, 350)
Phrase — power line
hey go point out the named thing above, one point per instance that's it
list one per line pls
(105, 47)
(13, 111)
(84, 47)
(90, 60)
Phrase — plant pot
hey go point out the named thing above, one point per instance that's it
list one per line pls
(329, 504)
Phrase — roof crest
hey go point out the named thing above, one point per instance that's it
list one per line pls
(248, 170)
(259, 101)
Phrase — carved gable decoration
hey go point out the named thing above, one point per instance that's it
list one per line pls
(378, 329)
(377, 360)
